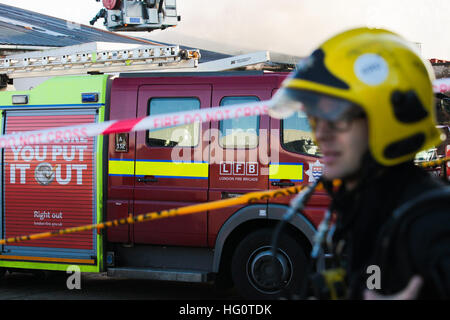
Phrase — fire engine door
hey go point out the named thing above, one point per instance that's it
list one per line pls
(172, 166)
(239, 158)
(50, 187)
(297, 160)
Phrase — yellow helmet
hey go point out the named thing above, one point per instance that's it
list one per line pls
(380, 72)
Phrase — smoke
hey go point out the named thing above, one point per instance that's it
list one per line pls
(296, 27)
(293, 27)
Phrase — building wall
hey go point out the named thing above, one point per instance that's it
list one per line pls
(442, 70)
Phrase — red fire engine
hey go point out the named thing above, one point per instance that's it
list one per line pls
(76, 181)
(72, 182)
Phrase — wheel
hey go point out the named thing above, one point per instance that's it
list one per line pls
(254, 273)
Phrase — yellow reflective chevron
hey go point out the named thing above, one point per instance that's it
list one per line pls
(193, 170)
(121, 167)
(159, 168)
(169, 169)
(288, 171)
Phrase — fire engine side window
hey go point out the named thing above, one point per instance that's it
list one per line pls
(297, 136)
(181, 136)
(240, 132)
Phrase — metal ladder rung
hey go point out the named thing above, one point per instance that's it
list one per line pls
(143, 56)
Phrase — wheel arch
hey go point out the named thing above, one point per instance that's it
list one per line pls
(251, 218)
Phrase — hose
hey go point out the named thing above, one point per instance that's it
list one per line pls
(297, 204)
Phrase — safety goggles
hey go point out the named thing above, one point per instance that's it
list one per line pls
(338, 113)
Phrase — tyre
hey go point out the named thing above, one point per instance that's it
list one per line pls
(254, 273)
(2, 273)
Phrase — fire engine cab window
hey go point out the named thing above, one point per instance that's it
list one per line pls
(181, 136)
(240, 132)
(297, 136)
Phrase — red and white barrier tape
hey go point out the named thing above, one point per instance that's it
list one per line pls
(441, 85)
(147, 123)
(153, 122)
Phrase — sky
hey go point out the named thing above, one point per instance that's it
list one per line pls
(293, 27)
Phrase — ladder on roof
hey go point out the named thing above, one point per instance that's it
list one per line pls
(74, 60)
(92, 58)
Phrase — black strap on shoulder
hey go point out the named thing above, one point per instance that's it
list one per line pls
(434, 194)
(402, 216)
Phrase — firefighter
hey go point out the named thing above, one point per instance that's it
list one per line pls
(369, 100)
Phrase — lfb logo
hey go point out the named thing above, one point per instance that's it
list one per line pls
(44, 173)
(315, 171)
(229, 168)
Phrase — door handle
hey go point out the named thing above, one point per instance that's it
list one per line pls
(228, 195)
(282, 184)
(147, 180)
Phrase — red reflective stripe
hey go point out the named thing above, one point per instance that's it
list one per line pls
(122, 126)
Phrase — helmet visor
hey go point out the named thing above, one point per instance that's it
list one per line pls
(287, 101)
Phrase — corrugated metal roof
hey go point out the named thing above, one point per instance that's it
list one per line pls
(22, 27)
